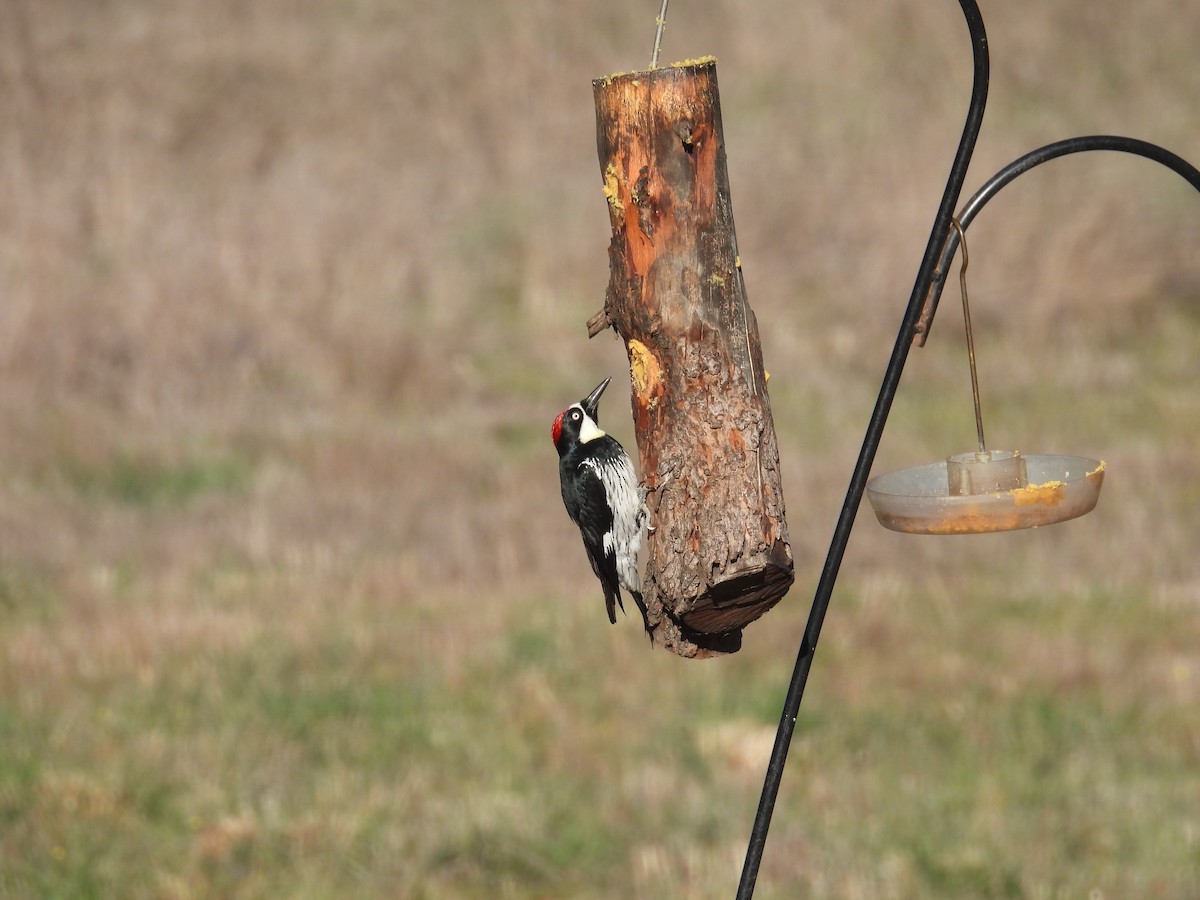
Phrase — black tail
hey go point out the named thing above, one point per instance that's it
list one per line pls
(612, 599)
(637, 598)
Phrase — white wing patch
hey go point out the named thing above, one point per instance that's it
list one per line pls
(629, 516)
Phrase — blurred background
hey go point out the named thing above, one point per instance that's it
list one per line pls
(290, 293)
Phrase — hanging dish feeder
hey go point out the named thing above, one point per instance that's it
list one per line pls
(984, 490)
(918, 500)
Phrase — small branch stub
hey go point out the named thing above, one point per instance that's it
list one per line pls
(719, 555)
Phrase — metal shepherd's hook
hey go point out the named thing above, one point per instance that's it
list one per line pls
(947, 234)
(870, 445)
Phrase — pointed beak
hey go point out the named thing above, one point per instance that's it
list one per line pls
(591, 402)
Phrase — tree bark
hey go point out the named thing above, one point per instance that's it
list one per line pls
(718, 557)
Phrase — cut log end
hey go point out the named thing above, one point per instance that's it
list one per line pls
(735, 603)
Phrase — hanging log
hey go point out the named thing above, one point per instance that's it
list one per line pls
(718, 557)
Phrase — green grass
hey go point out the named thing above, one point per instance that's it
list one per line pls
(132, 480)
(1045, 755)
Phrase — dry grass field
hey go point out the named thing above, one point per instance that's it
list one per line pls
(290, 293)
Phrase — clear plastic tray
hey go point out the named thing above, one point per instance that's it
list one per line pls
(918, 501)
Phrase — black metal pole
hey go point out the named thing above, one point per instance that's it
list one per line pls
(1022, 165)
(866, 456)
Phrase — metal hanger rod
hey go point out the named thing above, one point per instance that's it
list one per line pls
(862, 469)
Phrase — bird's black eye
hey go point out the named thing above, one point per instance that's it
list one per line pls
(575, 416)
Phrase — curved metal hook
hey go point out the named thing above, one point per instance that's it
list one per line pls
(1020, 166)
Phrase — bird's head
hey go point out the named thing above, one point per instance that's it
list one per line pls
(579, 422)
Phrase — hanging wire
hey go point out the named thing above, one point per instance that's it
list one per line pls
(661, 23)
(966, 305)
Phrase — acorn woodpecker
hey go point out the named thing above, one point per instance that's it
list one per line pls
(602, 496)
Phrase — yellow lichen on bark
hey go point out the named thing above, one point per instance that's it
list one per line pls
(645, 373)
(611, 189)
(694, 61)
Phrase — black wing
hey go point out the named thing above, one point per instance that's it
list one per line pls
(588, 507)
